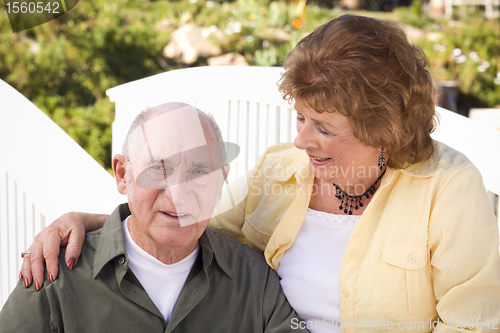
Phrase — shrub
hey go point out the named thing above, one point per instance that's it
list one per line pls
(66, 66)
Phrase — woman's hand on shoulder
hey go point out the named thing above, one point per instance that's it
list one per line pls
(68, 230)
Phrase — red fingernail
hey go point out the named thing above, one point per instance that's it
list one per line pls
(71, 263)
(51, 278)
(20, 275)
(37, 286)
(26, 284)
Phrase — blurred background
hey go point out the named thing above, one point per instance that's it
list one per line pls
(66, 65)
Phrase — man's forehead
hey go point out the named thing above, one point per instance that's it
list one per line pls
(169, 132)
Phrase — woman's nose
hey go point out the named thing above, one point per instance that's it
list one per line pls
(305, 137)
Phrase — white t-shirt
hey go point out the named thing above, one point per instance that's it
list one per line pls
(310, 269)
(163, 283)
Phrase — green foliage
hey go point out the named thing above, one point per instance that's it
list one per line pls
(65, 66)
(260, 30)
(468, 52)
(413, 16)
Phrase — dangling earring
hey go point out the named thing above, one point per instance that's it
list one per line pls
(381, 159)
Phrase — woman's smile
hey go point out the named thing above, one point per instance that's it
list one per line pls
(319, 160)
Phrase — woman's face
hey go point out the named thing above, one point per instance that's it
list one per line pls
(335, 154)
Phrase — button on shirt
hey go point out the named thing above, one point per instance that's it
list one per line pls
(230, 288)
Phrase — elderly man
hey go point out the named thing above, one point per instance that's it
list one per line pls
(155, 266)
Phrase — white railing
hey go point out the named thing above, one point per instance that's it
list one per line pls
(247, 105)
(244, 101)
(43, 174)
(478, 141)
(491, 7)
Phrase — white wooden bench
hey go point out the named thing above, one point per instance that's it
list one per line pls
(44, 173)
(491, 7)
(245, 101)
(247, 105)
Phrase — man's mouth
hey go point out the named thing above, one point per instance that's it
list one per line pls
(176, 215)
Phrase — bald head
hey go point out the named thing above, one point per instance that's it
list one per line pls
(208, 124)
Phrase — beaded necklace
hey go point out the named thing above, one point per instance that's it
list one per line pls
(349, 200)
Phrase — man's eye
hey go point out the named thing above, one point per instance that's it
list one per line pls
(300, 119)
(158, 167)
(201, 172)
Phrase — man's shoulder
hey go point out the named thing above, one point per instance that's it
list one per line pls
(111, 233)
(227, 245)
(91, 241)
(235, 254)
(88, 249)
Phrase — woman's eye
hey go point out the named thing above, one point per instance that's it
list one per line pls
(323, 132)
(299, 118)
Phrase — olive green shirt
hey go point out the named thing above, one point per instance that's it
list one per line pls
(230, 288)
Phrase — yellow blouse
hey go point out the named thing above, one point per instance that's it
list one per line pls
(423, 256)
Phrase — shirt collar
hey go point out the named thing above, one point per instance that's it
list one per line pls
(112, 244)
(297, 165)
(111, 241)
(211, 248)
(420, 170)
(426, 168)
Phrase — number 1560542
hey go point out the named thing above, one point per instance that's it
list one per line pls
(32, 7)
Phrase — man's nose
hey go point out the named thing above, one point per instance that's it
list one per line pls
(177, 187)
(177, 193)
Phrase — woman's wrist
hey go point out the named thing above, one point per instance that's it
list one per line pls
(93, 222)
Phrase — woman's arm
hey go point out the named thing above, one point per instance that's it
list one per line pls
(229, 214)
(463, 242)
(68, 230)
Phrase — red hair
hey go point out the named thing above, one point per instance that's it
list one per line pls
(367, 70)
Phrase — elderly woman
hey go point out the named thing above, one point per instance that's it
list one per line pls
(369, 222)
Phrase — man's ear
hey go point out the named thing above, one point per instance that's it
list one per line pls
(225, 173)
(119, 168)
